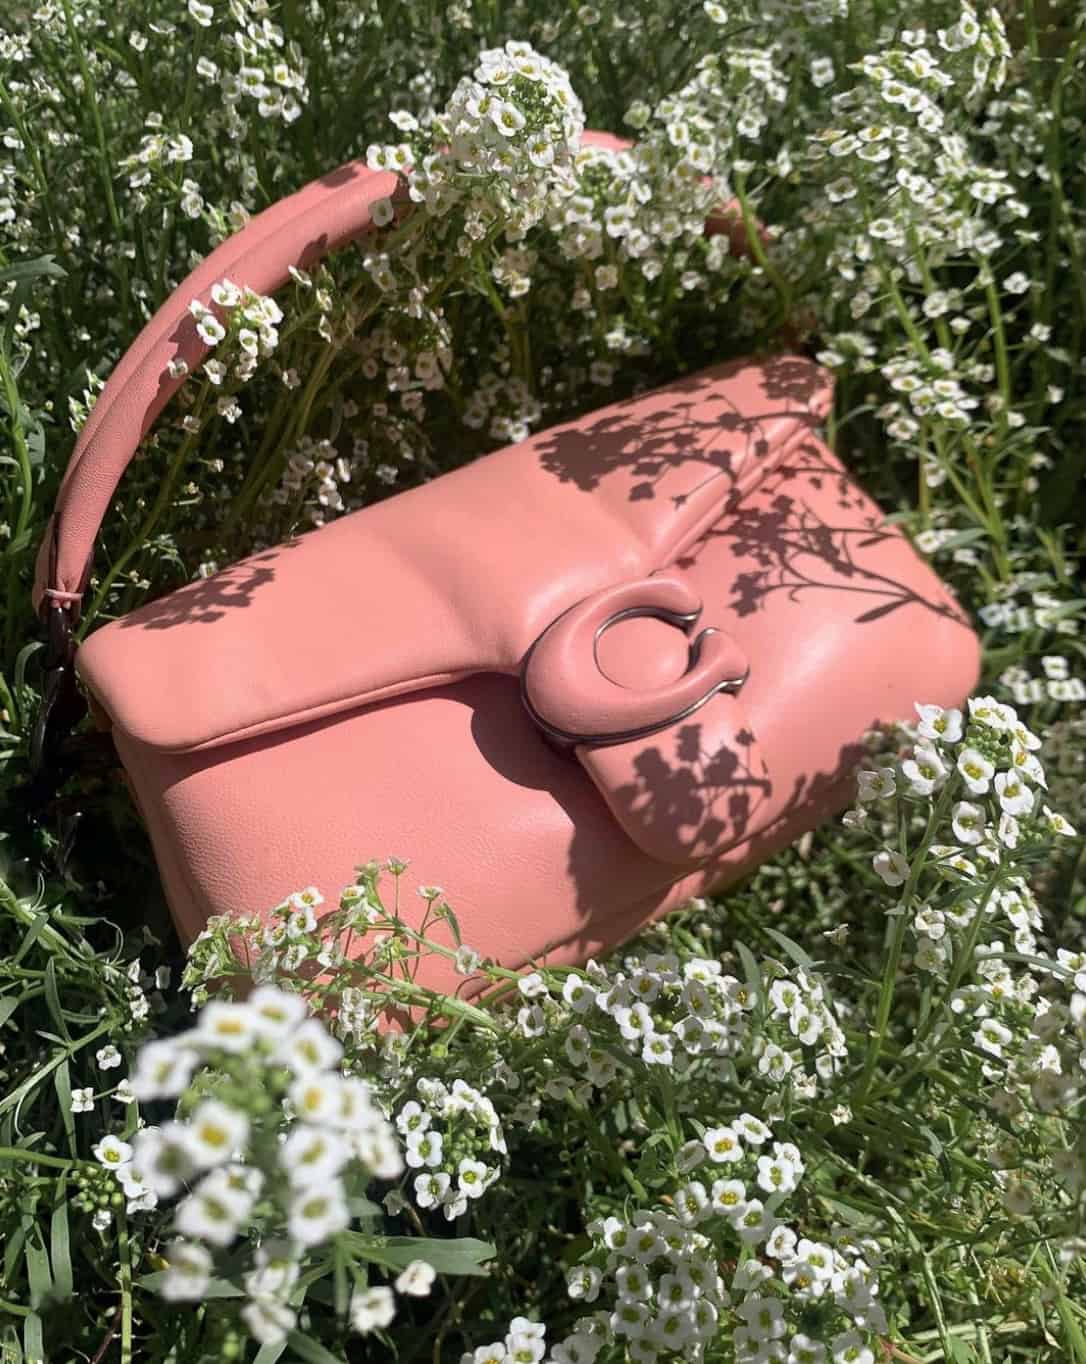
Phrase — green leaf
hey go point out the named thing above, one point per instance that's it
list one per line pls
(62, 1081)
(312, 1351)
(22, 658)
(52, 998)
(38, 924)
(41, 266)
(60, 1246)
(454, 924)
(268, 1354)
(38, 1274)
(363, 1207)
(961, 1352)
(792, 948)
(217, 1288)
(33, 1337)
(463, 1256)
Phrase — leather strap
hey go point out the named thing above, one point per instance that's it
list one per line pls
(296, 231)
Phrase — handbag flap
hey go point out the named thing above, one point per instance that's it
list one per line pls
(455, 577)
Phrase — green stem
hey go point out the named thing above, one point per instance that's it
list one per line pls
(26, 492)
(758, 252)
(124, 1249)
(19, 1153)
(897, 943)
(999, 338)
(151, 520)
(91, 93)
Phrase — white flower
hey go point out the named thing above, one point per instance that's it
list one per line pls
(423, 1148)
(269, 1322)
(311, 1156)
(417, 1279)
(216, 1132)
(473, 1177)
(201, 13)
(214, 1211)
(583, 1283)
(317, 1096)
(968, 822)
(752, 1129)
(413, 1118)
(162, 1159)
(431, 1188)
(382, 212)
(892, 867)
(992, 1037)
(803, 1349)
(722, 1145)
(729, 1196)
(976, 770)
(763, 1316)
(1015, 798)
(124, 1093)
(1027, 765)
(777, 1174)
(226, 294)
(849, 1348)
(188, 1272)
(532, 986)
(112, 1152)
(82, 1100)
(634, 1283)
(924, 771)
(108, 1058)
(692, 1203)
(210, 329)
(939, 724)
(753, 1224)
(372, 1309)
(877, 785)
(276, 1013)
(506, 117)
(467, 960)
(577, 993)
(1057, 823)
(317, 1212)
(993, 714)
(225, 1024)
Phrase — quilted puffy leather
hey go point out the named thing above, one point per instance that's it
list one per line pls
(358, 692)
(455, 577)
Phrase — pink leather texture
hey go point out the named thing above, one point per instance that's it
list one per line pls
(574, 682)
(442, 586)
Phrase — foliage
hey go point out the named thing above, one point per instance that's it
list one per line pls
(880, 1036)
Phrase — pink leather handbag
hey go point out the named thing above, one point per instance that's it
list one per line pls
(575, 682)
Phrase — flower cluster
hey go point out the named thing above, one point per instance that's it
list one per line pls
(271, 1143)
(444, 1138)
(499, 151)
(1017, 1015)
(659, 1275)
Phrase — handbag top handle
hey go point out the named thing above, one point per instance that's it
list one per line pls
(295, 232)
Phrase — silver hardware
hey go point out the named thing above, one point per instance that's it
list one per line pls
(684, 621)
